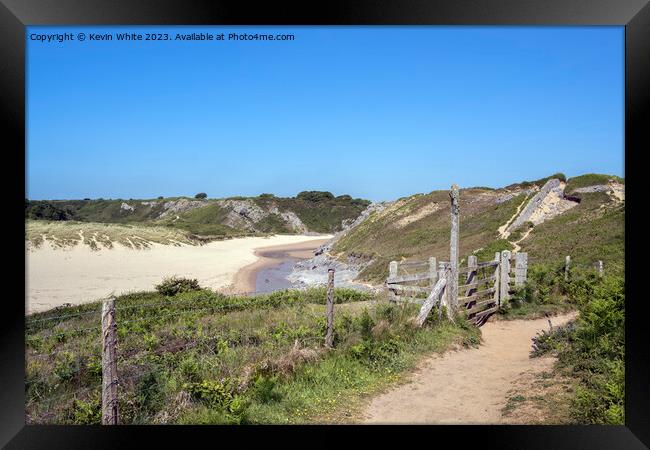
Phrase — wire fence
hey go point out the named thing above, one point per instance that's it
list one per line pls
(75, 368)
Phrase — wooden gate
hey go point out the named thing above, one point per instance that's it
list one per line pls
(482, 286)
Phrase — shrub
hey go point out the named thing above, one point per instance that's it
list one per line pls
(593, 348)
(174, 285)
(315, 196)
(66, 366)
(265, 388)
(87, 412)
(201, 195)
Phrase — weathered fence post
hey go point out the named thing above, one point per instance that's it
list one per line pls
(329, 337)
(392, 269)
(472, 265)
(443, 301)
(600, 269)
(433, 270)
(453, 248)
(497, 285)
(109, 363)
(567, 263)
(504, 276)
(433, 298)
(521, 268)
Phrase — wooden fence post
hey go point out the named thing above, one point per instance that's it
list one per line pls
(472, 264)
(109, 363)
(433, 270)
(392, 269)
(329, 337)
(434, 297)
(444, 295)
(497, 282)
(452, 282)
(567, 263)
(521, 268)
(600, 269)
(504, 276)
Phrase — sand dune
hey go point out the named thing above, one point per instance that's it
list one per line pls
(78, 274)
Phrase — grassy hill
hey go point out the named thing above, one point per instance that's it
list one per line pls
(309, 211)
(417, 227)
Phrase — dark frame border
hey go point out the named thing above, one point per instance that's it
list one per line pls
(15, 15)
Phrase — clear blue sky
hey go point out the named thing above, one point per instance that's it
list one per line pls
(374, 112)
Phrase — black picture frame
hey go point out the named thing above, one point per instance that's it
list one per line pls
(15, 15)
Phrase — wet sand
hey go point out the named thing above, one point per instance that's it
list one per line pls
(245, 280)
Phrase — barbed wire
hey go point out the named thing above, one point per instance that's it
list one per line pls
(65, 316)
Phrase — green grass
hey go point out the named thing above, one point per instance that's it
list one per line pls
(588, 232)
(380, 238)
(202, 357)
(539, 183)
(590, 179)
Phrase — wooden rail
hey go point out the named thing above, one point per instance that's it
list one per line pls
(486, 285)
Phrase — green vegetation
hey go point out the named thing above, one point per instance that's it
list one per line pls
(590, 179)
(418, 227)
(174, 285)
(319, 211)
(592, 348)
(315, 196)
(544, 294)
(594, 230)
(539, 183)
(202, 357)
(487, 253)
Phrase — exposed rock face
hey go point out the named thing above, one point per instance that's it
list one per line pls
(291, 219)
(126, 207)
(245, 208)
(313, 271)
(535, 202)
(173, 207)
(246, 214)
(546, 204)
(596, 188)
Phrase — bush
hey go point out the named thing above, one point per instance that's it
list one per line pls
(87, 412)
(172, 286)
(315, 196)
(593, 348)
(201, 195)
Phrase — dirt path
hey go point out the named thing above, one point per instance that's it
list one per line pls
(517, 247)
(466, 386)
(502, 229)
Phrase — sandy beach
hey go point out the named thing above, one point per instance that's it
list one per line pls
(79, 274)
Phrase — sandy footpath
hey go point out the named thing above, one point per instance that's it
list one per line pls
(78, 274)
(467, 386)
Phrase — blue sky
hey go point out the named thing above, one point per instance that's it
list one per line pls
(374, 112)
